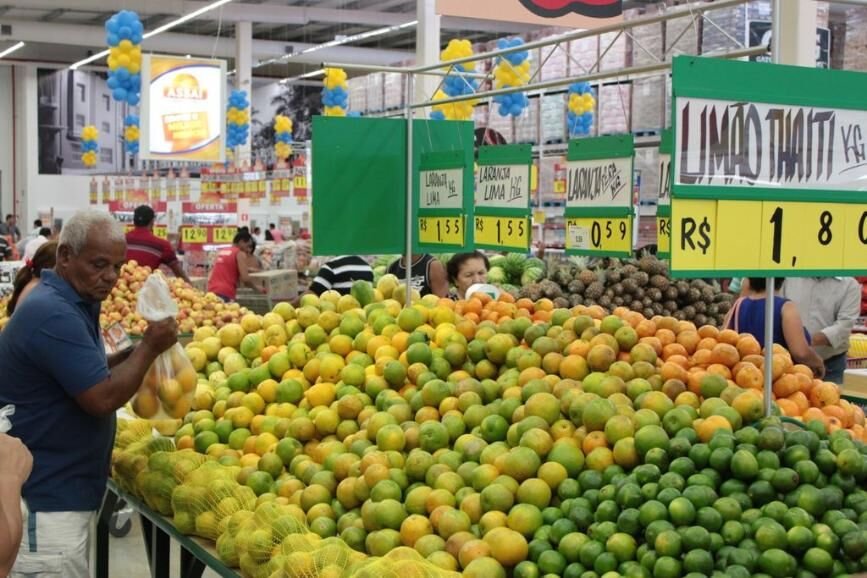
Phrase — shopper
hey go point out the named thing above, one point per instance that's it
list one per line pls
(748, 316)
(9, 228)
(467, 269)
(34, 244)
(28, 276)
(257, 235)
(276, 234)
(232, 267)
(830, 307)
(34, 232)
(17, 464)
(339, 273)
(428, 274)
(66, 391)
(145, 248)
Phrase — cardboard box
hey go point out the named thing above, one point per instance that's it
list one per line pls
(279, 284)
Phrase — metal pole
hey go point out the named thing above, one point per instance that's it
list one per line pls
(409, 174)
(398, 69)
(769, 281)
(623, 73)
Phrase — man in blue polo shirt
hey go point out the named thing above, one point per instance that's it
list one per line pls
(53, 368)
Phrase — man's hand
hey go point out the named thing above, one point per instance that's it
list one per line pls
(160, 335)
(16, 458)
(820, 340)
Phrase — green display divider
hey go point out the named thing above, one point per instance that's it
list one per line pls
(502, 198)
(599, 205)
(359, 184)
(767, 177)
(359, 181)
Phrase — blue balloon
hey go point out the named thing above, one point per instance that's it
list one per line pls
(112, 82)
(132, 98)
(122, 74)
(124, 32)
(112, 39)
(136, 38)
(354, 114)
(504, 110)
(119, 93)
(516, 110)
(137, 27)
(437, 115)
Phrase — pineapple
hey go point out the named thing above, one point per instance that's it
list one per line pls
(594, 291)
(641, 278)
(587, 277)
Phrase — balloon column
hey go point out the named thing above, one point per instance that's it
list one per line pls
(237, 119)
(282, 136)
(512, 69)
(581, 105)
(131, 133)
(335, 94)
(89, 145)
(456, 83)
(123, 33)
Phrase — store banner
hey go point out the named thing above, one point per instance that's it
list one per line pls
(559, 13)
(741, 143)
(183, 109)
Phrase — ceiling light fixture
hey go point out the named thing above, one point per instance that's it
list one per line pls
(160, 30)
(312, 74)
(11, 49)
(341, 41)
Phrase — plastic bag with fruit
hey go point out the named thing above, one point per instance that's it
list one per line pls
(5, 413)
(169, 385)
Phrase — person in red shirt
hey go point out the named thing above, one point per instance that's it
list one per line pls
(145, 248)
(232, 267)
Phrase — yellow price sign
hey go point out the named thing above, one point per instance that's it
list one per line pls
(223, 234)
(560, 187)
(663, 234)
(693, 235)
(441, 230)
(161, 232)
(194, 235)
(599, 234)
(513, 232)
(803, 236)
(855, 242)
(300, 182)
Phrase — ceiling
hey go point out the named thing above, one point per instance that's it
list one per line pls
(64, 31)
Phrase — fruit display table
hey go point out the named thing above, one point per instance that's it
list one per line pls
(158, 532)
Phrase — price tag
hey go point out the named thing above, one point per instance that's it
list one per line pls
(560, 187)
(855, 243)
(223, 234)
(161, 232)
(802, 236)
(300, 182)
(693, 235)
(194, 235)
(441, 230)
(512, 232)
(663, 234)
(599, 234)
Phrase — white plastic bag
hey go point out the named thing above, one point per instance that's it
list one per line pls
(170, 383)
(6, 413)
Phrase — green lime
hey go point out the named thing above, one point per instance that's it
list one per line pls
(526, 569)
(818, 561)
(551, 562)
(668, 543)
(771, 535)
(655, 529)
(681, 511)
(605, 562)
(708, 517)
(699, 561)
(667, 567)
(622, 545)
(768, 460)
(744, 465)
(652, 511)
(733, 532)
(777, 563)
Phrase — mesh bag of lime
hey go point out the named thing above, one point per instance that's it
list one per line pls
(170, 383)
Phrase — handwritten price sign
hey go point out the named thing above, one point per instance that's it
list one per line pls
(663, 234)
(609, 235)
(194, 235)
(441, 230)
(161, 232)
(507, 232)
(224, 235)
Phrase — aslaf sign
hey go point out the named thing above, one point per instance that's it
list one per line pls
(441, 214)
(599, 206)
(502, 199)
(768, 178)
(663, 199)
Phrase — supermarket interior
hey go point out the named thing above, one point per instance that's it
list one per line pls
(433, 288)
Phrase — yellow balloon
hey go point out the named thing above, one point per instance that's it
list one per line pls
(112, 63)
(124, 45)
(123, 60)
(134, 67)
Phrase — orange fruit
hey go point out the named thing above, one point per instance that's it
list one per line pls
(725, 354)
(786, 385)
(711, 424)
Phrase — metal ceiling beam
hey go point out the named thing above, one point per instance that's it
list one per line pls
(177, 43)
(54, 15)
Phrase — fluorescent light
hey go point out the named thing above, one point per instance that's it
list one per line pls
(11, 49)
(341, 41)
(160, 30)
(312, 74)
(185, 18)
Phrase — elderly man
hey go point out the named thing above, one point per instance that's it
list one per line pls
(829, 307)
(66, 391)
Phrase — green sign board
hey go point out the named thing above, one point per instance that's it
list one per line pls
(502, 198)
(663, 198)
(768, 170)
(359, 202)
(599, 204)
